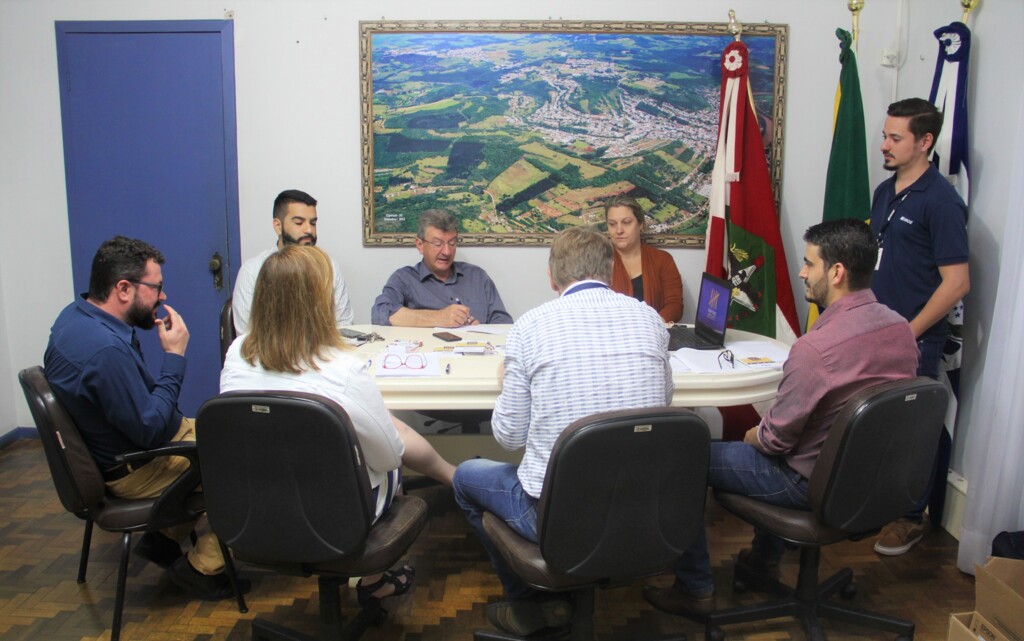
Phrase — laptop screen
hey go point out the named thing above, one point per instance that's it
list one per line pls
(713, 307)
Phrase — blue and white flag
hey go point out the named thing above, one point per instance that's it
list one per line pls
(949, 94)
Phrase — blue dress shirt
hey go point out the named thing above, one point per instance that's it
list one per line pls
(102, 381)
(416, 287)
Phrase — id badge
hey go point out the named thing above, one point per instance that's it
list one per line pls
(878, 262)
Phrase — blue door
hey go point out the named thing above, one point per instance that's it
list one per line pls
(148, 115)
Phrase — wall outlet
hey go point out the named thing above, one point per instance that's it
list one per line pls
(889, 58)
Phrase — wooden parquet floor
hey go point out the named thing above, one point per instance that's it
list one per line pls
(40, 600)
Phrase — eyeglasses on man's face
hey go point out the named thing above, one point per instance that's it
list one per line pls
(158, 287)
(437, 243)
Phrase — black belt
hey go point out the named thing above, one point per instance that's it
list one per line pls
(119, 472)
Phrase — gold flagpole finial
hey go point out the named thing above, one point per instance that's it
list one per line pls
(855, 7)
(969, 6)
(735, 28)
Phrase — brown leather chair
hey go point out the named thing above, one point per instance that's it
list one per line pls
(227, 329)
(286, 488)
(873, 468)
(623, 498)
(81, 489)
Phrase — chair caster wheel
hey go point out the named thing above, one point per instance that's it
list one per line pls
(849, 591)
(714, 633)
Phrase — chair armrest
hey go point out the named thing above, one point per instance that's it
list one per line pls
(178, 448)
(178, 503)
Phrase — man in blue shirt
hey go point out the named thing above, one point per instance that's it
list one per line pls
(438, 291)
(94, 364)
(920, 223)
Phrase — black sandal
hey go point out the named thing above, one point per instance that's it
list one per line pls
(393, 577)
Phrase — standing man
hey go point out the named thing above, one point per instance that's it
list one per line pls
(438, 291)
(855, 344)
(94, 364)
(590, 350)
(295, 221)
(920, 223)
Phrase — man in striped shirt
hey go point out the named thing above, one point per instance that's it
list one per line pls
(590, 350)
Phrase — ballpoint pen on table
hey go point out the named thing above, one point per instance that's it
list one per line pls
(448, 368)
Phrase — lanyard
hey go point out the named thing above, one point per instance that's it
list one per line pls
(888, 220)
(584, 285)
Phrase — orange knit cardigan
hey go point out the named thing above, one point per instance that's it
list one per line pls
(663, 288)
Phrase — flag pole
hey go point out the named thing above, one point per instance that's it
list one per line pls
(735, 28)
(855, 7)
(969, 6)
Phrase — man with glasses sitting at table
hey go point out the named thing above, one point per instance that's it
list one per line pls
(438, 291)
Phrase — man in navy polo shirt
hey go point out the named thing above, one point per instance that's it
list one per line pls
(920, 223)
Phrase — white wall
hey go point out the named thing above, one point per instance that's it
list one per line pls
(298, 126)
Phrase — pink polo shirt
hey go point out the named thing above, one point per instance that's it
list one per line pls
(856, 343)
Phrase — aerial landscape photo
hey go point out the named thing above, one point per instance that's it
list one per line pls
(524, 134)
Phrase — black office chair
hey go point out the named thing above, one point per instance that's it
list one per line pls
(286, 488)
(623, 498)
(81, 489)
(468, 421)
(873, 468)
(227, 329)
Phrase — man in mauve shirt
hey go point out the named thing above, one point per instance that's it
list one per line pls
(855, 344)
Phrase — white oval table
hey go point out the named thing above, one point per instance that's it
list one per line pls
(472, 380)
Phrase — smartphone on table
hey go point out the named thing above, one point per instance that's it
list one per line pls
(447, 337)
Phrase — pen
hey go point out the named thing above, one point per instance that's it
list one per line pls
(448, 368)
(456, 300)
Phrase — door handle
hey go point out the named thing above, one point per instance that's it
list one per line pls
(217, 269)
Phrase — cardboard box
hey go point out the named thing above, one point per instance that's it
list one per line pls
(960, 627)
(999, 590)
(985, 631)
(999, 608)
(971, 626)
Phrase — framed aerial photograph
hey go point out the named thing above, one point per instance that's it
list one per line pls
(524, 128)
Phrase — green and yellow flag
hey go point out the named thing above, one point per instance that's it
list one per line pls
(847, 189)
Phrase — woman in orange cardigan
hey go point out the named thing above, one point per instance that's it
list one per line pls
(641, 271)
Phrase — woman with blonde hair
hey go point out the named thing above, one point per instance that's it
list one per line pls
(293, 345)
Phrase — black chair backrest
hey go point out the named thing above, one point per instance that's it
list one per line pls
(624, 492)
(283, 476)
(227, 329)
(879, 455)
(76, 477)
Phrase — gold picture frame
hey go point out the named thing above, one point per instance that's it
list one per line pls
(522, 128)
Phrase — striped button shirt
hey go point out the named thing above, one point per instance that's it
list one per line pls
(591, 350)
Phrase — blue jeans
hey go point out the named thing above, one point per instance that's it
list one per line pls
(488, 486)
(740, 469)
(928, 365)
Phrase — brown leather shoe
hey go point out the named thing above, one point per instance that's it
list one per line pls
(678, 600)
(754, 567)
(527, 617)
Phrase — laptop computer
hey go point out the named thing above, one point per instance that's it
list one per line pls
(708, 331)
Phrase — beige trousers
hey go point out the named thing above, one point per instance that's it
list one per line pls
(153, 478)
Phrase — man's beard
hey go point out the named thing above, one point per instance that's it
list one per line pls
(287, 239)
(141, 316)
